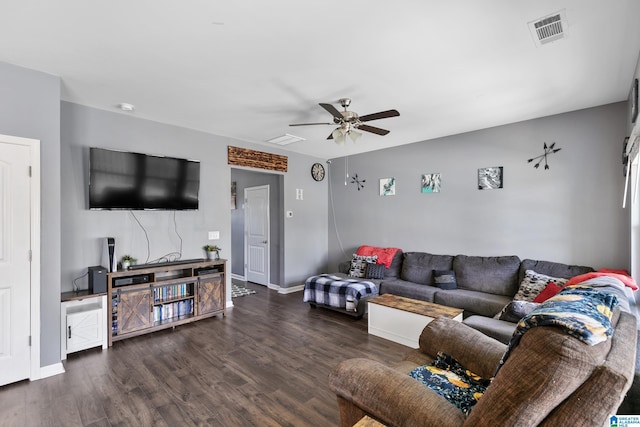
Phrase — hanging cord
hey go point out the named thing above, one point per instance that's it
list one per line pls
(333, 210)
(175, 229)
(75, 282)
(145, 235)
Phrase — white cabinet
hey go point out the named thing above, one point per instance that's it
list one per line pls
(83, 324)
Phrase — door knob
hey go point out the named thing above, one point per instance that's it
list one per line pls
(264, 241)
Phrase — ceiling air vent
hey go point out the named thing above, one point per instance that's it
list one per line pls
(549, 29)
(285, 139)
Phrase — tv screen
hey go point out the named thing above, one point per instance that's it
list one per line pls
(124, 180)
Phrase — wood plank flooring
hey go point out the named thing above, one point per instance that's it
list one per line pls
(264, 364)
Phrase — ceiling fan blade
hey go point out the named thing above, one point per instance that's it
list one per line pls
(332, 110)
(380, 115)
(373, 129)
(330, 136)
(310, 124)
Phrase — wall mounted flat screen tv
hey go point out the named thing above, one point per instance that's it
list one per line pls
(134, 181)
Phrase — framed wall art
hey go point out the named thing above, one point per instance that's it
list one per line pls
(490, 178)
(387, 186)
(430, 183)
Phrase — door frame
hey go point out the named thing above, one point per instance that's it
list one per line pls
(34, 241)
(245, 231)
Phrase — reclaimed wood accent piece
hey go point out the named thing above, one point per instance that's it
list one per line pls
(256, 159)
(367, 421)
(423, 308)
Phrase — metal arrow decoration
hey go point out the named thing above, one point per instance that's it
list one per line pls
(547, 151)
(358, 182)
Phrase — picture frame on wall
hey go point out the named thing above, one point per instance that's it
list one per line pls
(490, 178)
(633, 101)
(387, 186)
(430, 183)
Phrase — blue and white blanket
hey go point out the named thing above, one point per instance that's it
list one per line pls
(336, 291)
(581, 312)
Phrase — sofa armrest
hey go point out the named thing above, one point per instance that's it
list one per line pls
(473, 349)
(389, 396)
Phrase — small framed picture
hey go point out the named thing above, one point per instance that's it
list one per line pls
(633, 101)
(490, 178)
(387, 186)
(430, 183)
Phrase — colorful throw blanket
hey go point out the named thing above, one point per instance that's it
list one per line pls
(336, 291)
(581, 312)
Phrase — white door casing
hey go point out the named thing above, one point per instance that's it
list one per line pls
(256, 231)
(19, 259)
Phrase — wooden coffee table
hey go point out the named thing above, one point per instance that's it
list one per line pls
(402, 320)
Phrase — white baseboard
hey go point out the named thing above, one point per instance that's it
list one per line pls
(291, 289)
(238, 277)
(50, 371)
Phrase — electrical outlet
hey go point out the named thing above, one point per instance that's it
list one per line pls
(214, 235)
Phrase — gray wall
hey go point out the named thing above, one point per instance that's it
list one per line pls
(570, 213)
(83, 229)
(30, 108)
(248, 178)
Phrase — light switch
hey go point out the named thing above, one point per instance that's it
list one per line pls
(214, 235)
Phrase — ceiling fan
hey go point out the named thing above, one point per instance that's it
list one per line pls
(349, 121)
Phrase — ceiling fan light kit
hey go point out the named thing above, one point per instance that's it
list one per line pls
(349, 121)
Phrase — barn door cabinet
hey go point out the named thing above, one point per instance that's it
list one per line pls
(152, 298)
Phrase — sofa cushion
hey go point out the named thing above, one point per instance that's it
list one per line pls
(472, 301)
(516, 310)
(418, 267)
(500, 330)
(407, 289)
(493, 275)
(554, 269)
(396, 265)
(445, 279)
(533, 283)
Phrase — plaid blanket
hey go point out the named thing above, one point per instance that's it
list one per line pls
(581, 312)
(336, 291)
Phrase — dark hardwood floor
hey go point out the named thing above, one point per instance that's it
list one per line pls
(264, 364)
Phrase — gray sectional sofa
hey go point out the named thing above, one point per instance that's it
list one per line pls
(485, 284)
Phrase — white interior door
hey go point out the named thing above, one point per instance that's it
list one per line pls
(256, 231)
(15, 264)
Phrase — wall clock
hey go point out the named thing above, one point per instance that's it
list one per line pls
(317, 171)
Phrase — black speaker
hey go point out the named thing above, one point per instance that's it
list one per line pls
(97, 279)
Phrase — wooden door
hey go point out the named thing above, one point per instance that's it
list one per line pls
(15, 264)
(210, 294)
(256, 224)
(134, 310)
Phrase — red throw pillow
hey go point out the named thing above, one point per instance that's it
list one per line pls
(550, 290)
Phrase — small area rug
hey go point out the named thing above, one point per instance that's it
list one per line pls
(240, 291)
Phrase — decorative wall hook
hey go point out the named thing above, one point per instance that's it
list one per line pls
(358, 182)
(547, 151)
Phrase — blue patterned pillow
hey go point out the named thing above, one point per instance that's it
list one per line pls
(445, 279)
(359, 265)
(452, 381)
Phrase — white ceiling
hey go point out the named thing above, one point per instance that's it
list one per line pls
(246, 69)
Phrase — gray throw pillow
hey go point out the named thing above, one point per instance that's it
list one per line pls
(445, 279)
(375, 271)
